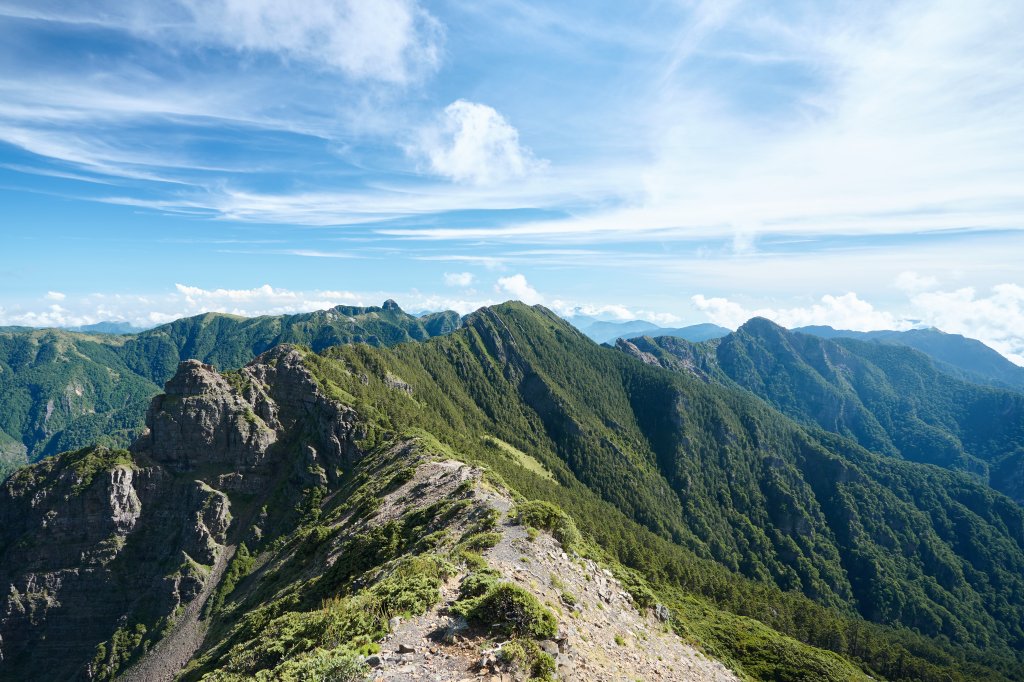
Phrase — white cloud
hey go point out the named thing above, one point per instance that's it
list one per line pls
(996, 319)
(55, 296)
(458, 279)
(912, 282)
(388, 40)
(842, 312)
(518, 288)
(474, 143)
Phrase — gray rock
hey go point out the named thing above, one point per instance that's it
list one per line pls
(662, 613)
(63, 526)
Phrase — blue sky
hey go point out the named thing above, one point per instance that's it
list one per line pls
(854, 164)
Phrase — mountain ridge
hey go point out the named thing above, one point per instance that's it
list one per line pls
(890, 398)
(651, 465)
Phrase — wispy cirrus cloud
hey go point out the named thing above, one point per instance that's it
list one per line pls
(388, 40)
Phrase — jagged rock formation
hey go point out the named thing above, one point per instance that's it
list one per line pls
(102, 540)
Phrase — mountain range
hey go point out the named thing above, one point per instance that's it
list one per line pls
(954, 354)
(887, 397)
(61, 390)
(503, 496)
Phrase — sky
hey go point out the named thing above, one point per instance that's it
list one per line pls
(853, 164)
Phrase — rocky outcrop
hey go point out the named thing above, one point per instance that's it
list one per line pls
(96, 541)
(201, 420)
(630, 348)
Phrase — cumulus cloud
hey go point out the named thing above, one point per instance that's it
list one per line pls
(996, 319)
(842, 312)
(263, 300)
(473, 143)
(518, 288)
(55, 296)
(458, 279)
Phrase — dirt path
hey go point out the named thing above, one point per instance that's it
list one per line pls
(165, 660)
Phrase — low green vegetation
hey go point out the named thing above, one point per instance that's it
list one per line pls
(114, 656)
(505, 609)
(526, 656)
(547, 516)
(711, 495)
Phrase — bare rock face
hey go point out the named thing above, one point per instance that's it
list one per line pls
(201, 420)
(98, 540)
(630, 348)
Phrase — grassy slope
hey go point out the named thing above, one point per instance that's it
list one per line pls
(694, 484)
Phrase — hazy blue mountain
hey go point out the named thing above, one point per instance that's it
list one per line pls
(955, 354)
(603, 331)
(108, 328)
(695, 332)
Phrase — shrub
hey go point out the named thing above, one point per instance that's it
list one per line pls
(509, 610)
(480, 541)
(544, 515)
(526, 655)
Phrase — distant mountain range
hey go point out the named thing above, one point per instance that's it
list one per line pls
(603, 331)
(108, 327)
(62, 389)
(958, 355)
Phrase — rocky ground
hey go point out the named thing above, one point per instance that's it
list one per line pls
(602, 635)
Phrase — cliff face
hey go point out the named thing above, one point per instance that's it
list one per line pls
(100, 544)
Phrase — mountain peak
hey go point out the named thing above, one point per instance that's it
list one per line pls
(761, 325)
(391, 306)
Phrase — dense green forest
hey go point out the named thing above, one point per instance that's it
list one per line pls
(890, 398)
(914, 571)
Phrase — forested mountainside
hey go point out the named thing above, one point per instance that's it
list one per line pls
(61, 390)
(783, 551)
(968, 359)
(889, 398)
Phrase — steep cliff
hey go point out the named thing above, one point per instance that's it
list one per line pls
(103, 544)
